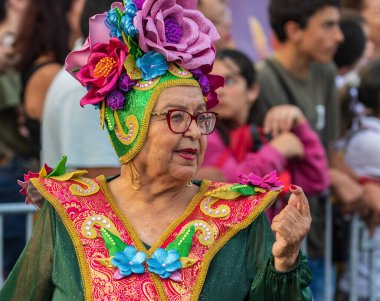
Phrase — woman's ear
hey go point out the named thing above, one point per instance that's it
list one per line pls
(253, 93)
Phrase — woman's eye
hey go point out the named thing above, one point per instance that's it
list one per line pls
(229, 81)
(177, 116)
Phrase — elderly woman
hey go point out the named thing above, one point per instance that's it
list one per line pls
(154, 233)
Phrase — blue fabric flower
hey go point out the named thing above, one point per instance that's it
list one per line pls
(126, 22)
(112, 22)
(164, 263)
(129, 261)
(152, 64)
(127, 26)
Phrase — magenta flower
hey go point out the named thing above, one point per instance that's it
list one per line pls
(215, 82)
(190, 44)
(30, 175)
(101, 73)
(269, 181)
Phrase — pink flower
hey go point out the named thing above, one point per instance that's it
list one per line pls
(269, 181)
(197, 34)
(31, 175)
(101, 73)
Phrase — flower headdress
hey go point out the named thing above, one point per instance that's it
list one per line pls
(136, 50)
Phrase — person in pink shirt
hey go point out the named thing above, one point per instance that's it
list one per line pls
(236, 147)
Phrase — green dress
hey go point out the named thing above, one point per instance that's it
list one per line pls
(242, 270)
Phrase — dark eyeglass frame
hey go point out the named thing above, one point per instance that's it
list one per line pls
(192, 117)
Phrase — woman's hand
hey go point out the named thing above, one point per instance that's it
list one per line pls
(291, 226)
(282, 118)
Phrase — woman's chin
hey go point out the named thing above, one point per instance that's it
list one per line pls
(184, 173)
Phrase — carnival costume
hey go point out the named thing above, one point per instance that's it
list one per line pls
(84, 248)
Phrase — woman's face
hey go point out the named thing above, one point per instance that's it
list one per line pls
(235, 98)
(176, 156)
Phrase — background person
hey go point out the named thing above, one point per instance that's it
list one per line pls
(88, 148)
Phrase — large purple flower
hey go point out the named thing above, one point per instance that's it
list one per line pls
(176, 29)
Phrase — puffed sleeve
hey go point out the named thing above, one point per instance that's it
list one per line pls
(267, 283)
(31, 278)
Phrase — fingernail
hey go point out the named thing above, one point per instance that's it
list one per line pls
(293, 187)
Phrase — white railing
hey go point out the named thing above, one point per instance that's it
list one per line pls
(9, 209)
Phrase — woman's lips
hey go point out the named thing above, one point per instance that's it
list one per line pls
(187, 153)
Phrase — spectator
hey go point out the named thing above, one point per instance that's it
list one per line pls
(13, 148)
(88, 148)
(299, 73)
(351, 50)
(370, 11)
(361, 154)
(47, 34)
(237, 148)
(219, 13)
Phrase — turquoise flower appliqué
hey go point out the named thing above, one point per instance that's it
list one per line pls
(164, 263)
(118, 21)
(152, 64)
(128, 261)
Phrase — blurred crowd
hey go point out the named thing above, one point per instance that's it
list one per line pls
(310, 110)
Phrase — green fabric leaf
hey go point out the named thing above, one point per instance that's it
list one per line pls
(134, 48)
(60, 168)
(113, 243)
(245, 190)
(119, 15)
(182, 244)
(76, 70)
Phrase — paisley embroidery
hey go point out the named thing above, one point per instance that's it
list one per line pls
(90, 187)
(219, 212)
(132, 124)
(89, 230)
(208, 233)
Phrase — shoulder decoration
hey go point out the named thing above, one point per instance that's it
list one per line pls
(58, 173)
(248, 185)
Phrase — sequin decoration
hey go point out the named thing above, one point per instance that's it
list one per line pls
(219, 212)
(132, 124)
(90, 225)
(179, 72)
(146, 85)
(208, 233)
(90, 187)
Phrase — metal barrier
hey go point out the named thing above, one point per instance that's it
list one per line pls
(14, 208)
(360, 239)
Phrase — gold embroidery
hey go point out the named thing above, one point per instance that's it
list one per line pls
(91, 187)
(219, 212)
(179, 72)
(143, 85)
(88, 230)
(208, 233)
(131, 123)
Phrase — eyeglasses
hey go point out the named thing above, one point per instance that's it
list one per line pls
(179, 121)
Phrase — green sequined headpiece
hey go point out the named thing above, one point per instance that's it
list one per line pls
(132, 54)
